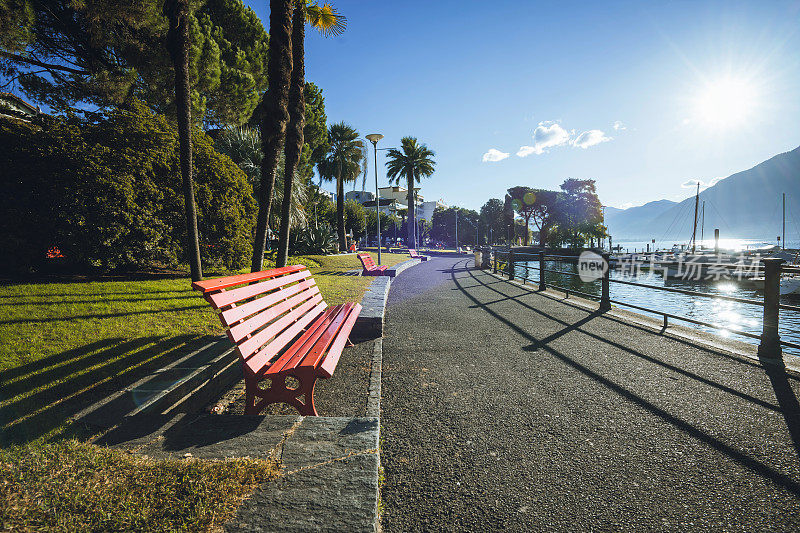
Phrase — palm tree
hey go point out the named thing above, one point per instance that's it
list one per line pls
(414, 162)
(243, 145)
(364, 170)
(274, 115)
(342, 163)
(177, 11)
(328, 22)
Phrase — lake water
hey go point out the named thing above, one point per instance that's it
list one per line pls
(725, 314)
(735, 245)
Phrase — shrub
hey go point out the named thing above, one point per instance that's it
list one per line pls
(313, 241)
(108, 195)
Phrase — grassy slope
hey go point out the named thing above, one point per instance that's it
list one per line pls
(73, 486)
(64, 346)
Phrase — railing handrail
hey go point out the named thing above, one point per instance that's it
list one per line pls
(607, 280)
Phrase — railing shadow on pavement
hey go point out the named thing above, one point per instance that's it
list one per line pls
(777, 372)
(787, 400)
(736, 455)
(571, 327)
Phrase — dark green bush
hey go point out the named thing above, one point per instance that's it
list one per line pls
(108, 195)
(312, 241)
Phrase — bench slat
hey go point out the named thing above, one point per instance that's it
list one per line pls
(210, 285)
(240, 331)
(226, 298)
(237, 313)
(260, 359)
(335, 351)
(250, 346)
(300, 349)
(369, 264)
(332, 333)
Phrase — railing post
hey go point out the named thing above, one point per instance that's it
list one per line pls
(510, 263)
(770, 346)
(542, 285)
(605, 298)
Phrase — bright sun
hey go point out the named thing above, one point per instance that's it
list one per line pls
(726, 102)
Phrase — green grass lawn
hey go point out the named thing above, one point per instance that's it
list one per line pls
(66, 345)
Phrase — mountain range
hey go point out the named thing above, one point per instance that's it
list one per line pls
(745, 205)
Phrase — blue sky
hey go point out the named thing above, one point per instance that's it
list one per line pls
(697, 90)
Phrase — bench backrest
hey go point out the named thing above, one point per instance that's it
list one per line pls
(367, 261)
(264, 311)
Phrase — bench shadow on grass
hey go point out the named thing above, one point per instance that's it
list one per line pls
(351, 272)
(787, 401)
(44, 395)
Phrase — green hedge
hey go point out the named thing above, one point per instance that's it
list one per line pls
(108, 195)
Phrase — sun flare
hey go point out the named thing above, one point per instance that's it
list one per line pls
(726, 102)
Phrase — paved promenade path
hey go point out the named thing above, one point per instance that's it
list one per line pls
(507, 409)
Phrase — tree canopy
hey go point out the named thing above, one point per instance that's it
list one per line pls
(100, 54)
(104, 194)
(493, 218)
(572, 215)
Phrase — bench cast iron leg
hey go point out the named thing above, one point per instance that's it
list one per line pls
(257, 399)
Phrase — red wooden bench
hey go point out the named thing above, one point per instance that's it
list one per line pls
(414, 255)
(282, 329)
(370, 268)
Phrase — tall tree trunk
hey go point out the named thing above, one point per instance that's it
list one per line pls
(527, 230)
(340, 211)
(274, 116)
(412, 215)
(177, 12)
(294, 133)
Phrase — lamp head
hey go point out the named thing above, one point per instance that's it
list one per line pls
(374, 138)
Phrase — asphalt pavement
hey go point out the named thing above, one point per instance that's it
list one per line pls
(507, 409)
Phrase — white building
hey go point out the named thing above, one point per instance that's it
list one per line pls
(424, 210)
(394, 199)
(359, 196)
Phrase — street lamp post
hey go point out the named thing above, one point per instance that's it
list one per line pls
(456, 229)
(374, 138)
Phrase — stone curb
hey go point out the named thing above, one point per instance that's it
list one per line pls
(369, 324)
(374, 399)
(398, 268)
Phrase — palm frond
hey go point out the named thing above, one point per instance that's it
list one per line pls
(415, 161)
(345, 155)
(325, 19)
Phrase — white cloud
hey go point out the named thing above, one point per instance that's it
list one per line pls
(547, 134)
(626, 205)
(619, 125)
(494, 155)
(590, 138)
(692, 184)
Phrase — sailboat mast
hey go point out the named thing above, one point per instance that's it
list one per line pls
(703, 225)
(696, 205)
(783, 229)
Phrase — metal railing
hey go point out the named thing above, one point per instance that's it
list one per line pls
(508, 261)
